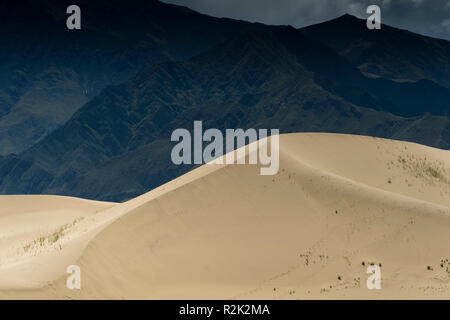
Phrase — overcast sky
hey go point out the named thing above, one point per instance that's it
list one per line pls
(430, 17)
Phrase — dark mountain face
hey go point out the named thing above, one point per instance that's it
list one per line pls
(389, 52)
(118, 145)
(47, 71)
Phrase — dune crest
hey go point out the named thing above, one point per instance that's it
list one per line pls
(338, 204)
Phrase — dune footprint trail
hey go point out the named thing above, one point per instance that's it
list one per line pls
(338, 204)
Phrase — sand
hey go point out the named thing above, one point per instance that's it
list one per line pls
(338, 204)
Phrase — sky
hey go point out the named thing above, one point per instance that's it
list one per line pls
(429, 17)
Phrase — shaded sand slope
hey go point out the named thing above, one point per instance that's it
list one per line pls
(338, 202)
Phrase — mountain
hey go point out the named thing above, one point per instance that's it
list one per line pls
(389, 52)
(47, 71)
(118, 144)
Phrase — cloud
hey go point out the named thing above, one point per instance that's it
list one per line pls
(446, 25)
(422, 16)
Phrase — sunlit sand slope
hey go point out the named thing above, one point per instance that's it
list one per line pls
(338, 204)
(30, 227)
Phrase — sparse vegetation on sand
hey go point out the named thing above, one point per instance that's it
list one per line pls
(51, 238)
(421, 167)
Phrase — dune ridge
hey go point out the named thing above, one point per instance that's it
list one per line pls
(338, 204)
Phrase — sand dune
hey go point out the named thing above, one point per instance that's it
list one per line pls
(338, 204)
(30, 231)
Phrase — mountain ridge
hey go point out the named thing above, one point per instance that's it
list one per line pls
(389, 52)
(255, 79)
(48, 71)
